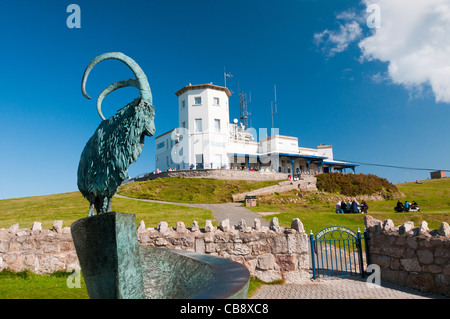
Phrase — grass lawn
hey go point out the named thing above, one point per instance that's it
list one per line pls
(73, 206)
(190, 190)
(26, 285)
(316, 212)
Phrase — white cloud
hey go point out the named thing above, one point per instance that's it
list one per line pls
(333, 42)
(414, 41)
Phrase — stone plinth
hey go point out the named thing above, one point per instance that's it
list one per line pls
(108, 252)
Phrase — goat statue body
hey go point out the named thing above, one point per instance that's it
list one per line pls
(118, 141)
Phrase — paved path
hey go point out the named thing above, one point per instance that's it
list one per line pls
(340, 288)
(232, 211)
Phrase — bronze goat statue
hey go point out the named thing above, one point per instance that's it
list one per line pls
(118, 141)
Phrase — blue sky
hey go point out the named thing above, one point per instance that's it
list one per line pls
(336, 85)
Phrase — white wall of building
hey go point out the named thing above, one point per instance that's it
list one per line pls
(209, 108)
(163, 152)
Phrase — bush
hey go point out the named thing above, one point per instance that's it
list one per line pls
(354, 184)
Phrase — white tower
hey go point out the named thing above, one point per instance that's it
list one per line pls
(203, 123)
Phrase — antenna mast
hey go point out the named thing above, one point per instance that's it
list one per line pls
(243, 107)
(273, 104)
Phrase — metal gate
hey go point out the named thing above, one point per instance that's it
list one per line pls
(337, 251)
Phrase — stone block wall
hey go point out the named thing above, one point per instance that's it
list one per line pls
(270, 253)
(306, 183)
(41, 251)
(415, 257)
(227, 174)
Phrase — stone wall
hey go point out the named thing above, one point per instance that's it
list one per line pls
(42, 251)
(270, 253)
(306, 183)
(415, 257)
(227, 174)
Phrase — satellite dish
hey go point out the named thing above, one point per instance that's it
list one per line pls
(235, 121)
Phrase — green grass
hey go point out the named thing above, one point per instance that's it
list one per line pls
(190, 190)
(316, 211)
(72, 206)
(27, 285)
(256, 283)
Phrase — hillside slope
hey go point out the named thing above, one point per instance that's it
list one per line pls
(72, 206)
(190, 190)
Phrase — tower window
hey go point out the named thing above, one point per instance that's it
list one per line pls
(198, 125)
(198, 100)
(216, 101)
(217, 125)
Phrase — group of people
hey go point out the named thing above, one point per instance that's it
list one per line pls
(407, 207)
(350, 207)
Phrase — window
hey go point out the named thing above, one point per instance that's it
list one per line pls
(198, 125)
(183, 124)
(198, 100)
(217, 125)
(183, 104)
(216, 101)
(199, 158)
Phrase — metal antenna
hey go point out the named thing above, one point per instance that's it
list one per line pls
(243, 107)
(273, 104)
(225, 75)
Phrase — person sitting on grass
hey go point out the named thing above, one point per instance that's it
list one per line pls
(349, 206)
(407, 206)
(338, 208)
(355, 208)
(399, 207)
(364, 207)
(343, 205)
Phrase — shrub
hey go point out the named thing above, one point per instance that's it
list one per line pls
(354, 184)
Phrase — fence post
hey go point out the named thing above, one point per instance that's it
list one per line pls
(366, 242)
(361, 262)
(313, 255)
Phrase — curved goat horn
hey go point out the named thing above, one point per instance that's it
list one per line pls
(140, 82)
(111, 88)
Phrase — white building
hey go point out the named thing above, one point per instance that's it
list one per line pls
(205, 139)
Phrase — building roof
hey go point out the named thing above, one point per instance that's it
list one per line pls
(279, 136)
(203, 86)
(164, 133)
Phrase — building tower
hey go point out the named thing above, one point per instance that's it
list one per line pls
(203, 125)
